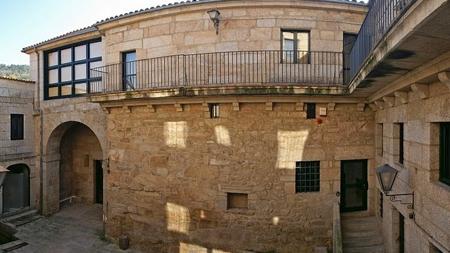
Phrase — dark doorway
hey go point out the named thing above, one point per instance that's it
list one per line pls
(16, 188)
(98, 182)
(354, 185)
(401, 234)
(129, 70)
(349, 41)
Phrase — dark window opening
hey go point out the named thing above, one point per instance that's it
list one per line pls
(17, 126)
(307, 176)
(214, 111)
(310, 111)
(401, 155)
(237, 200)
(295, 47)
(381, 204)
(129, 70)
(401, 236)
(444, 154)
(349, 41)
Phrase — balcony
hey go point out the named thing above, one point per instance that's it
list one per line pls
(312, 72)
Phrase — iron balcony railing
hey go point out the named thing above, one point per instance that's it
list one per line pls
(222, 69)
(382, 15)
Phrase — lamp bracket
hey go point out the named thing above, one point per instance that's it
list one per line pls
(397, 198)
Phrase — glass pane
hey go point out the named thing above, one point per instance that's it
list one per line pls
(80, 88)
(66, 74)
(66, 90)
(53, 92)
(80, 71)
(53, 76)
(95, 64)
(129, 57)
(53, 59)
(66, 55)
(353, 197)
(80, 53)
(95, 50)
(303, 41)
(353, 173)
(288, 47)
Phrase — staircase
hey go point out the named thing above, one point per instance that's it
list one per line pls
(361, 235)
(22, 218)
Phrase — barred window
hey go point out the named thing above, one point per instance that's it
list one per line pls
(214, 111)
(307, 176)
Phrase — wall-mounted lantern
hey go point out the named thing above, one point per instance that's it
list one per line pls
(3, 172)
(386, 177)
(214, 15)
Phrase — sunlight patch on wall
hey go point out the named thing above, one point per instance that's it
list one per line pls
(175, 134)
(222, 136)
(291, 145)
(188, 247)
(178, 218)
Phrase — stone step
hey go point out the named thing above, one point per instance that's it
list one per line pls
(362, 241)
(367, 249)
(23, 218)
(358, 234)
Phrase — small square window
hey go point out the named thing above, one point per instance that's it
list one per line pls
(307, 176)
(214, 111)
(310, 111)
(237, 200)
(16, 126)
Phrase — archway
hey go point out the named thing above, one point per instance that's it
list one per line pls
(72, 167)
(16, 188)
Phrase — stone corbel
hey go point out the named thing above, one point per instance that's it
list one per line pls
(402, 96)
(389, 101)
(236, 106)
(444, 77)
(300, 106)
(380, 104)
(205, 107)
(361, 106)
(269, 106)
(179, 107)
(374, 107)
(126, 109)
(331, 106)
(106, 110)
(421, 89)
(151, 108)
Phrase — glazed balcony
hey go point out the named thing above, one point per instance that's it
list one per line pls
(252, 71)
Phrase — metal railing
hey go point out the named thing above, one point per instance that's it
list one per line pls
(222, 69)
(382, 15)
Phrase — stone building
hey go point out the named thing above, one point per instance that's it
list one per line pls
(237, 126)
(17, 146)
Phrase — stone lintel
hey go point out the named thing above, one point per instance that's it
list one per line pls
(421, 89)
(402, 96)
(444, 77)
(389, 101)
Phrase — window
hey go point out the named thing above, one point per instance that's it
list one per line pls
(237, 200)
(67, 69)
(129, 70)
(295, 46)
(444, 154)
(401, 155)
(381, 207)
(310, 111)
(214, 111)
(307, 176)
(379, 140)
(16, 126)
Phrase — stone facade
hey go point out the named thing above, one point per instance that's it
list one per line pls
(16, 97)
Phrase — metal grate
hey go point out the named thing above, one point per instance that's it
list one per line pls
(307, 176)
(214, 111)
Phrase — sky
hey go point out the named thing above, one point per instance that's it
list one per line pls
(27, 22)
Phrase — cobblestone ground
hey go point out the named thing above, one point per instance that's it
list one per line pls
(75, 229)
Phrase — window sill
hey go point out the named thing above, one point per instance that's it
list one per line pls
(240, 211)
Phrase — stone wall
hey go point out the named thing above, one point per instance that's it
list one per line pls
(419, 173)
(16, 97)
(170, 171)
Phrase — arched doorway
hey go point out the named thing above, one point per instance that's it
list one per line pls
(73, 167)
(16, 188)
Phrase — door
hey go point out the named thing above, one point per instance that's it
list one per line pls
(349, 41)
(16, 189)
(401, 234)
(354, 185)
(98, 182)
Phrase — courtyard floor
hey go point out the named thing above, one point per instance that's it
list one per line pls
(74, 229)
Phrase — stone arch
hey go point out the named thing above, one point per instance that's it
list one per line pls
(63, 152)
(16, 188)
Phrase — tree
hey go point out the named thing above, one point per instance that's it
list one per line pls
(15, 71)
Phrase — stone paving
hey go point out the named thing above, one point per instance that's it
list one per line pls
(74, 229)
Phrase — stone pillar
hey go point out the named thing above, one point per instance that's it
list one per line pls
(51, 184)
